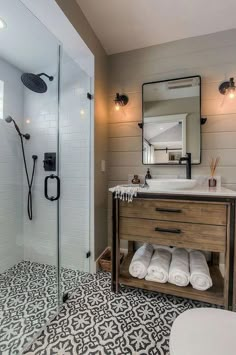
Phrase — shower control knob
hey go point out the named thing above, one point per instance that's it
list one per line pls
(49, 162)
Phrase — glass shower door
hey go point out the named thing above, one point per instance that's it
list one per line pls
(75, 160)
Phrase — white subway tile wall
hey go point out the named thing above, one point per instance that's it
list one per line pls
(11, 200)
(41, 122)
(40, 234)
(37, 114)
(75, 135)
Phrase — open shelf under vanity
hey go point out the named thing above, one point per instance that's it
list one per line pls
(205, 224)
(214, 295)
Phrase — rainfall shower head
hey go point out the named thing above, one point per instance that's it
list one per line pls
(34, 82)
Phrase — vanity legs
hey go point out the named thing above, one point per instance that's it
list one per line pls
(115, 246)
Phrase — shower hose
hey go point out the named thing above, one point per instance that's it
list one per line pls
(29, 181)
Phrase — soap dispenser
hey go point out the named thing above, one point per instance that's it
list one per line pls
(148, 175)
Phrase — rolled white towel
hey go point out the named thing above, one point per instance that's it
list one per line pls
(179, 268)
(200, 277)
(140, 261)
(158, 270)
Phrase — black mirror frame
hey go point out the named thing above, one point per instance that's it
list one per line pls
(141, 125)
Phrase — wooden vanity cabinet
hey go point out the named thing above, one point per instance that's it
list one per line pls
(204, 223)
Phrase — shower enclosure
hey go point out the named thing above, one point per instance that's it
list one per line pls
(44, 221)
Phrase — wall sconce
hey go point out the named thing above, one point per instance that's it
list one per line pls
(228, 88)
(120, 100)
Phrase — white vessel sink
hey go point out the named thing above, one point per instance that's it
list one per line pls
(171, 184)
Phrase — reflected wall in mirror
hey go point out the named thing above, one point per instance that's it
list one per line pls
(172, 120)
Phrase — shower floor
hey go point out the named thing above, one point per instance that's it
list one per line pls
(29, 299)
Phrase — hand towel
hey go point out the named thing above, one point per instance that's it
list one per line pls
(200, 277)
(140, 261)
(158, 269)
(179, 268)
(125, 192)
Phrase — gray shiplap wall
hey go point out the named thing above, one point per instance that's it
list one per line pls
(211, 56)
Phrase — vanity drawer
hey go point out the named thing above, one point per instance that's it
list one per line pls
(186, 235)
(188, 211)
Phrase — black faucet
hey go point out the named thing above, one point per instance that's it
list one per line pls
(187, 158)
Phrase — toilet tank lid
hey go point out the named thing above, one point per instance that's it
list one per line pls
(205, 331)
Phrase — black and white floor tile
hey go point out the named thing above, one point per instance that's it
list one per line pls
(28, 300)
(95, 321)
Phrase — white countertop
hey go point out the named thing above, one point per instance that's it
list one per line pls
(197, 191)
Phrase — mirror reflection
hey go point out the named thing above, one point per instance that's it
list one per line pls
(171, 120)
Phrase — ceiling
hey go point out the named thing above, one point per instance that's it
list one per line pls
(172, 89)
(25, 42)
(131, 24)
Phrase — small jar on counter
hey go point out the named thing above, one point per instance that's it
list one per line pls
(135, 180)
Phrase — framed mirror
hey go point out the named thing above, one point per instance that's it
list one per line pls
(171, 120)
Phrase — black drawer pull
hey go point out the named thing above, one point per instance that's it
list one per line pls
(167, 210)
(168, 230)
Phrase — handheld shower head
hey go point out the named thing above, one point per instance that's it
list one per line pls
(8, 119)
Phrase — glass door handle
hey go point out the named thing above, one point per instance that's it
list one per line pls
(52, 198)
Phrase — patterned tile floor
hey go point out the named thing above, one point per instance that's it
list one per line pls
(28, 299)
(95, 321)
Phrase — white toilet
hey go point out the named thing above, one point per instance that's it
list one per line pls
(204, 331)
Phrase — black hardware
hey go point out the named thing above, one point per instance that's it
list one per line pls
(65, 297)
(50, 77)
(89, 96)
(203, 120)
(168, 230)
(26, 136)
(121, 100)
(49, 162)
(140, 124)
(228, 87)
(167, 210)
(187, 158)
(52, 198)
(166, 149)
(88, 254)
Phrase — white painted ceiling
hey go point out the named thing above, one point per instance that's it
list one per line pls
(173, 89)
(155, 129)
(25, 42)
(131, 24)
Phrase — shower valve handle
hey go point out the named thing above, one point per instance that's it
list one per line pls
(52, 198)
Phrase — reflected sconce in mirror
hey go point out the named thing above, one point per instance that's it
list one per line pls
(120, 100)
(228, 88)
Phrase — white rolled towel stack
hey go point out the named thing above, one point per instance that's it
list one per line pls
(179, 268)
(140, 261)
(158, 270)
(200, 277)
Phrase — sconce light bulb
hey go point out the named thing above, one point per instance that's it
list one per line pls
(117, 107)
(231, 95)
